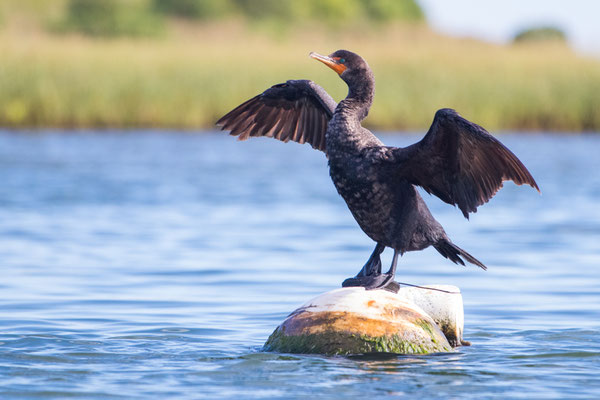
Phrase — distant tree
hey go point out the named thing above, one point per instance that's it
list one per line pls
(545, 33)
(111, 18)
(390, 10)
(195, 9)
(332, 12)
(261, 9)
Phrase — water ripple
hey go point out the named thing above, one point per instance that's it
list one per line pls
(156, 265)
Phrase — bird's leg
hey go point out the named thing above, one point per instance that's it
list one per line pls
(375, 280)
(392, 271)
(385, 281)
(373, 264)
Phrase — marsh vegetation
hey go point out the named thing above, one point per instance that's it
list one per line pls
(192, 71)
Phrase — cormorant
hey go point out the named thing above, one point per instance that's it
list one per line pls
(457, 160)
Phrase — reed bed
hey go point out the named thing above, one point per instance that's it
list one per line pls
(192, 76)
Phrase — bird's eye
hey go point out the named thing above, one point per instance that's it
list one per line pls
(342, 60)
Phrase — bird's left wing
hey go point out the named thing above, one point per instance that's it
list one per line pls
(297, 110)
(459, 162)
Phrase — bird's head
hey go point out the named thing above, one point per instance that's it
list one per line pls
(350, 66)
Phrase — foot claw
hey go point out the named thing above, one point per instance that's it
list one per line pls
(381, 281)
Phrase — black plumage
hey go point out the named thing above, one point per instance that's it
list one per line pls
(457, 161)
(297, 110)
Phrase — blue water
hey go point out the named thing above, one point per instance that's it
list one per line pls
(155, 265)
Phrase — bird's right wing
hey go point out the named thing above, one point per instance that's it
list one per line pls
(297, 110)
(459, 162)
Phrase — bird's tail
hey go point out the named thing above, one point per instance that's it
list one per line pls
(454, 253)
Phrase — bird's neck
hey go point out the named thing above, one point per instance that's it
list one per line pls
(359, 99)
(348, 136)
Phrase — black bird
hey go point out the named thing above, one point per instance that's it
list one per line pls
(457, 160)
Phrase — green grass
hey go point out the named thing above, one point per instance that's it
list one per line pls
(193, 75)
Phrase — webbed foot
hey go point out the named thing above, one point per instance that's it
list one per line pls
(380, 281)
(370, 276)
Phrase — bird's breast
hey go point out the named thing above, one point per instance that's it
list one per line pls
(370, 199)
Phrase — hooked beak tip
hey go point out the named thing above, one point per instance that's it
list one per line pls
(330, 62)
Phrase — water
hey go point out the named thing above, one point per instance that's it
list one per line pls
(155, 265)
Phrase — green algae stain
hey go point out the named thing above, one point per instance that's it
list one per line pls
(341, 343)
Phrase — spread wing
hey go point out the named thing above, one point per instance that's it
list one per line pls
(297, 110)
(460, 162)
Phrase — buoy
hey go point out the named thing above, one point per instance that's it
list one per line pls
(352, 320)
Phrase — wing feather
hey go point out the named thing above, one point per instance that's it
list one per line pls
(297, 135)
(298, 110)
(459, 162)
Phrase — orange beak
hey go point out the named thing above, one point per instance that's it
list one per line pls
(330, 62)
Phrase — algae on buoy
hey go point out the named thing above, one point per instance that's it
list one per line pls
(356, 321)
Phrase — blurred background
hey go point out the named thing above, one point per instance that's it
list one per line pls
(530, 65)
(145, 255)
